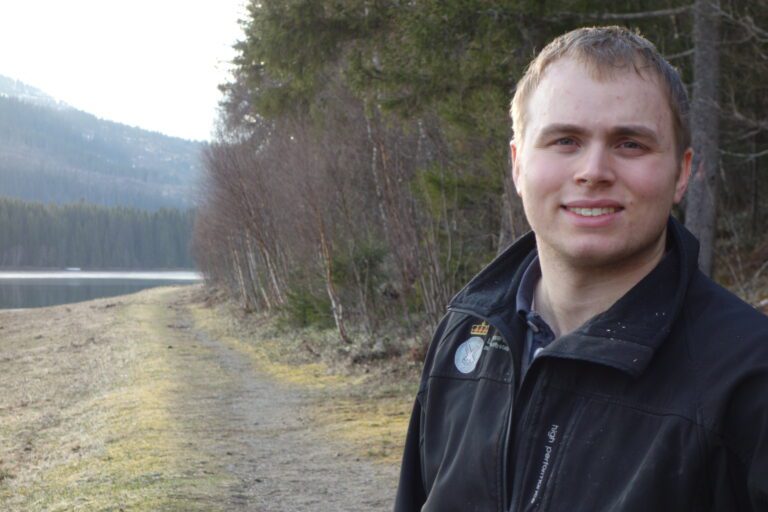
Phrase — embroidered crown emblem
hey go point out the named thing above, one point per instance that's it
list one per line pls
(480, 329)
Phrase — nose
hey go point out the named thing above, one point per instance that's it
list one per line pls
(594, 168)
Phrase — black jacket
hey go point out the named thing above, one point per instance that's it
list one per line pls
(659, 403)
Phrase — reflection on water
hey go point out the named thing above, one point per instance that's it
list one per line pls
(39, 289)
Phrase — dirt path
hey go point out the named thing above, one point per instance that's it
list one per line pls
(141, 403)
(267, 440)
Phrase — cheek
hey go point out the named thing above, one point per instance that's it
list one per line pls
(653, 190)
(540, 177)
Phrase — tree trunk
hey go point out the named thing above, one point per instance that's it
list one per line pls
(336, 306)
(701, 201)
(241, 284)
(253, 273)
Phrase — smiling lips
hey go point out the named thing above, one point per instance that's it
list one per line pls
(591, 212)
(594, 209)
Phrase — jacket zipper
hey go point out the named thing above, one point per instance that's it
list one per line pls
(505, 459)
(524, 385)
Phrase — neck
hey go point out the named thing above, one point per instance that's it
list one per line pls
(569, 295)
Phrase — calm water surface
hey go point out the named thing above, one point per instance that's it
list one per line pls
(39, 289)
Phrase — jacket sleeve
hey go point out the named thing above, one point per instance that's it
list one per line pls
(741, 467)
(410, 491)
(750, 436)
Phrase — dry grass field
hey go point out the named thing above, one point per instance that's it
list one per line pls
(160, 402)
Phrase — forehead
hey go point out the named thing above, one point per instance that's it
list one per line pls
(571, 93)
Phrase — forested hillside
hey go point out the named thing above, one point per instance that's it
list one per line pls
(364, 174)
(33, 235)
(10, 88)
(62, 155)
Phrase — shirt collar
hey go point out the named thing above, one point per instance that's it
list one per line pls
(528, 283)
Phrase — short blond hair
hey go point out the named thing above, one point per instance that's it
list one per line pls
(606, 51)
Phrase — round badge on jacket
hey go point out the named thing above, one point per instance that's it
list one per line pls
(468, 354)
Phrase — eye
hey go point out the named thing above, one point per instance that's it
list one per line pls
(631, 146)
(565, 144)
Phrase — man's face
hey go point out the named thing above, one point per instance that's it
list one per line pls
(597, 167)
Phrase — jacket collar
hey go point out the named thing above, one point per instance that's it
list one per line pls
(627, 334)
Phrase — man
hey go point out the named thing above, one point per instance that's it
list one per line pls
(592, 366)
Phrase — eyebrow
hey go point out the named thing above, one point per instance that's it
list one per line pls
(630, 130)
(640, 131)
(560, 129)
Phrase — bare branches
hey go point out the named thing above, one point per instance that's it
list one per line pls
(679, 55)
(747, 23)
(623, 16)
(757, 124)
(747, 156)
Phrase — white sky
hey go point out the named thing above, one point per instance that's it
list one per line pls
(155, 64)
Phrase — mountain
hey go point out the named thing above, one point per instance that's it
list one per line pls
(53, 153)
(10, 88)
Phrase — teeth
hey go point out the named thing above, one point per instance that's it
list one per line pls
(592, 212)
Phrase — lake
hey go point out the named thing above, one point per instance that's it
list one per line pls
(39, 289)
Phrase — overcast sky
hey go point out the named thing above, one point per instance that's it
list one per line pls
(154, 64)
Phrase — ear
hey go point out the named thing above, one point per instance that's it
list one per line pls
(515, 167)
(684, 174)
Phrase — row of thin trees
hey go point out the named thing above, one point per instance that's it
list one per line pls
(344, 221)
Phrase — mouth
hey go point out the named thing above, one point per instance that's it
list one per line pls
(592, 212)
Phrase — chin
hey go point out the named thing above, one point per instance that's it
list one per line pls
(597, 255)
(593, 258)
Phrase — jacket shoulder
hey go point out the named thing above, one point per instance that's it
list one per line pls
(718, 319)
(728, 339)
